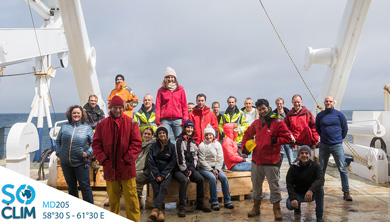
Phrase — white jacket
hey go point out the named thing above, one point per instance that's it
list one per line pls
(210, 155)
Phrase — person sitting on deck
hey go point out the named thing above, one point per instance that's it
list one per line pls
(162, 160)
(185, 170)
(210, 163)
(305, 182)
(233, 160)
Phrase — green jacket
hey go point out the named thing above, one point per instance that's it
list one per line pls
(237, 118)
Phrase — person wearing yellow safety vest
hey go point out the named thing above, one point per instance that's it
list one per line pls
(234, 115)
(126, 93)
(146, 116)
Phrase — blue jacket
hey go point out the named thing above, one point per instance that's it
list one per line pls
(332, 126)
(72, 141)
(161, 163)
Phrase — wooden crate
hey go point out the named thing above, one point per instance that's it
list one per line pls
(240, 184)
(61, 183)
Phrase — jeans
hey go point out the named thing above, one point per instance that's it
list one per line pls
(243, 166)
(337, 152)
(213, 186)
(289, 153)
(258, 174)
(317, 196)
(174, 128)
(182, 180)
(160, 190)
(78, 174)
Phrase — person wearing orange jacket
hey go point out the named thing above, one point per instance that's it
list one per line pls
(126, 93)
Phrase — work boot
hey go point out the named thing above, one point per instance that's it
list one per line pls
(160, 217)
(153, 216)
(204, 207)
(256, 208)
(277, 213)
(347, 197)
(181, 213)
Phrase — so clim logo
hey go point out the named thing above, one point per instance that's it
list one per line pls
(24, 194)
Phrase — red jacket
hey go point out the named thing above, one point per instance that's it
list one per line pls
(116, 144)
(269, 136)
(171, 105)
(229, 147)
(201, 118)
(302, 126)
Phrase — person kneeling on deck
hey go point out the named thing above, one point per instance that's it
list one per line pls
(185, 170)
(305, 182)
(116, 144)
(270, 133)
(210, 163)
(162, 160)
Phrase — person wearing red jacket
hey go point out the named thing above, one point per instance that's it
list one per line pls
(116, 144)
(202, 116)
(270, 133)
(171, 105)
(233, 160)
(301, 123)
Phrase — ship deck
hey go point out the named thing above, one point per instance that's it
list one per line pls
(370, 203)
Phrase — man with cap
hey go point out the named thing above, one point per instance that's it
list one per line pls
(116, 144)
(305, 182)
(125, 93)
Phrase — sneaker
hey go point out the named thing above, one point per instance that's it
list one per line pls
(204, 208)
(347, 197)
(215, 207)
(229, 206)
(182, 213)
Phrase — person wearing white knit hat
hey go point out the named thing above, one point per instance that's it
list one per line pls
(171, 104)
(211, 162)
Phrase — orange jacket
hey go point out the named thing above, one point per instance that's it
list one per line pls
(128, 96)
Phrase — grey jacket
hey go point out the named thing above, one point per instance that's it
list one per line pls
(141, 163)
(210, 155)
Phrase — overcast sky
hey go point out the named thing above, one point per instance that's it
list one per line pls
(220, 48)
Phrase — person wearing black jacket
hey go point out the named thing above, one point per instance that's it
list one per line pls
(93, 111)
(161, 161)
(305, 181)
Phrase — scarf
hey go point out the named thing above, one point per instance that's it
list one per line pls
(171, 86)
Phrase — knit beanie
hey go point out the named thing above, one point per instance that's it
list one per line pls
(209, 129)
(119, 75)
(305, 148)
(170, 72)
(116, 101)
(163, 128)
(188, 123)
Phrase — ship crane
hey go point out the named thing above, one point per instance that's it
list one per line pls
(368, 128)
(63, 33)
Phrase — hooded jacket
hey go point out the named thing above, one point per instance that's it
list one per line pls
(301, 178)
(72, 140)
(186, 154)
(302, 126)
(141, 163)
(202, 118)
(116, 145)
(210, 155)
(162, 161)
(171, 105)
(94, 115)
(270, 133)
(229, 146)
(128, 96)
(141, 117)
(238, 118)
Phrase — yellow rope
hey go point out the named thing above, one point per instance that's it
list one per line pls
(357, 155)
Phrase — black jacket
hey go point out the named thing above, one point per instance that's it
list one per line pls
(302, 178)
(161, 163)
(94, 116)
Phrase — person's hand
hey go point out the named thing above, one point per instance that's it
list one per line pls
(215, 172)
(85, 155)
(313, 147)
(293, 139)
(159, 179)
(189, 174)
(308, 196)
(248, 160)
(294, 204)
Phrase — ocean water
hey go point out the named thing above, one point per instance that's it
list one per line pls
(9, 119)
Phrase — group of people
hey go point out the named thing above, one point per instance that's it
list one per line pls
(170, 139)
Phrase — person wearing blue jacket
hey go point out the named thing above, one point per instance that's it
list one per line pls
(74, 146)
(332, 127)
(161, 160)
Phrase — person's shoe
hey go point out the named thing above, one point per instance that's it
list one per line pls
(277, 213)
(181, 213)
(255, 209)
(204, 207)
(107, 203)
(229, 206)
(347, 197)
(160, 217)
(153, 216)
(297, 211)
(320, 219)
(215, 207)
